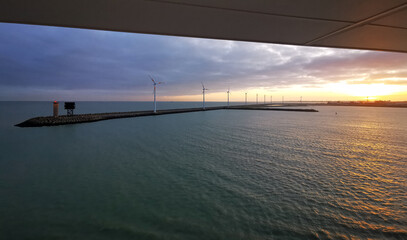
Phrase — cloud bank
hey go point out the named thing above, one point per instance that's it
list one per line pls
(41, 63)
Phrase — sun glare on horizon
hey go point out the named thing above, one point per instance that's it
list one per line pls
(367, 90)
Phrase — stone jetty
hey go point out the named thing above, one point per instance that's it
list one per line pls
(84, 118)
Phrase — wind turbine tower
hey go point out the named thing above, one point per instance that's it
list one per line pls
(203, 95)
(257, 98)
(271, 99)
(245, 98)
(155, 86)
(228, 95)
(264, 98)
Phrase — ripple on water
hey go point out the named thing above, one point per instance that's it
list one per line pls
(210, 175)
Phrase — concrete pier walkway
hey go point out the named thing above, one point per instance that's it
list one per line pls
(83, 118)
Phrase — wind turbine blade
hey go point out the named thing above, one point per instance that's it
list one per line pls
(151, 78)
(202, 85)
(160, 82)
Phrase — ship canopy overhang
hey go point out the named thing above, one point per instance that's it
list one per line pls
(354, 24)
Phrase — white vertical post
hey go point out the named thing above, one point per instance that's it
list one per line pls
(228, 97)
(245, 98)
(203, 98)
(155, 105)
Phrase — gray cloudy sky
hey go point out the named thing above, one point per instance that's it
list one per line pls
(47, 63)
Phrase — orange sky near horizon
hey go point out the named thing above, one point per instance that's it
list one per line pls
(330, 92)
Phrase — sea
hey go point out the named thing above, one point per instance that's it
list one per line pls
(340, 173)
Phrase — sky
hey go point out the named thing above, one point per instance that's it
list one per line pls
(42, 63)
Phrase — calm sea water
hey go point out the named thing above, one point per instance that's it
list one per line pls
(205, 175)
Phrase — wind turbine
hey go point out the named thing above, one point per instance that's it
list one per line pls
(228, 95)
(257, 98)
(155, 85)
(245, 98)
(203, 95)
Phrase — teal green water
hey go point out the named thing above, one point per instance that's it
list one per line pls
(205, 175)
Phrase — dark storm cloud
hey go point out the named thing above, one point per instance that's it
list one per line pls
(73, 59)
(38, 61)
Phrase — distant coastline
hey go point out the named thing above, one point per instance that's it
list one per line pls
(368, 104)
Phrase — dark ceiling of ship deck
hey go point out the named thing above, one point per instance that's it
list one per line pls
(358, 24)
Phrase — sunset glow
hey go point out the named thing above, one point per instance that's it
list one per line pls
(367, 90)
(46, 63)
